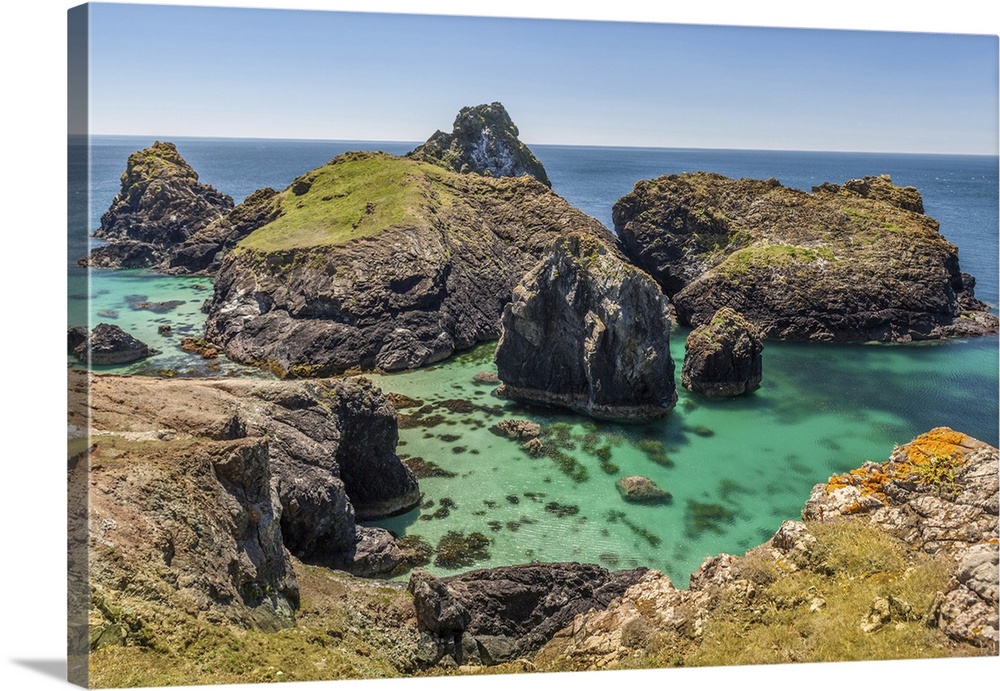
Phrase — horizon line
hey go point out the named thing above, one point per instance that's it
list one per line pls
(530, 144)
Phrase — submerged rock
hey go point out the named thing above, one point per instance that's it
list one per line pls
(483, 140)
(723, 357)
(641, 490)
(161, 203)
(587, 331)
(109, 344)
(858, 262)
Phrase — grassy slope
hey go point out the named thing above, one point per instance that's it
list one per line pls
(354, 196)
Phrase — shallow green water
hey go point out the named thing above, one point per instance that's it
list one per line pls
(736, 469)
(117, 297)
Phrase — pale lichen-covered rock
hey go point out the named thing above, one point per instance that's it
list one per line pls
(859, 262)
(483, 140)
(329, 446)
(641, 490)
(723, 357)
(587, 331)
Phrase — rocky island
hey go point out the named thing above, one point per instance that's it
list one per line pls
(857, 262)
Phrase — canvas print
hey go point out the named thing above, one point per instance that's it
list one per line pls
(406, 346)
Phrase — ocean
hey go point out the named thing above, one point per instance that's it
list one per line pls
(736, 468)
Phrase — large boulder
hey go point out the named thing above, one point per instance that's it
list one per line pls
(858, 262)
(589, 332)
(723, 357)
(109, 344)
(161, 203)
(483, 140)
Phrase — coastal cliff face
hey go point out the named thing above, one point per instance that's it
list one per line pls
(856, 262)
(161, 203)
(383, 262)
(327, 450)
(890, 557)
(589, 332)
(483, 140)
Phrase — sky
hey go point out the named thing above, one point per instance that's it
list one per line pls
(305, 74)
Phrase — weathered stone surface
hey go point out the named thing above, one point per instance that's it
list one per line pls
(641, 490)
(161, 203)
(404, 284)
(203, 251)
(109, 344)
(853, 263)
(493, 615)
(330, 448)
(483, 140)
(723, 357)
(588, 332)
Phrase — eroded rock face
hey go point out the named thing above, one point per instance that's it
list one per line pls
(723, 357)
(108, 344)
(483, 140)
(416, 263)
(161, 204)
(496, 615)
(856, 262)
(588, 332)
(327, 444)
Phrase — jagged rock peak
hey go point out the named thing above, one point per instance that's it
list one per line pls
(161, 202)
(587, 331)
(483, 140)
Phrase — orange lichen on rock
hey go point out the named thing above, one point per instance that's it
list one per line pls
(931, 458)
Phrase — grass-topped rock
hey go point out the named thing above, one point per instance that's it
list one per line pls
(856, 262)
(589, 332)
(378, 261)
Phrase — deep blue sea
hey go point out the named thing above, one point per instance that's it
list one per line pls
(736, 468)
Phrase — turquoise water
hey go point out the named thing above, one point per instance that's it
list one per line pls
(736, 468)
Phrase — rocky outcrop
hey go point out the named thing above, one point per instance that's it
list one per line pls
(897, 525)
(723, 357)
(858, 262)
(588, 332)
(638, 489)
(483, 140)
(107, 344)
(329, 447)
(383, 262)
(202, 252)
(496, 615)
(161, 204)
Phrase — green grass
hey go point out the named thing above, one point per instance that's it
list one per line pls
(352, 197)
(779, 255)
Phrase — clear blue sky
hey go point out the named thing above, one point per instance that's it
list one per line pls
(174, 70)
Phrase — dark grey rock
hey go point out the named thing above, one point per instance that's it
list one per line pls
(723, 357)
(587, 331)
(111, 345)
